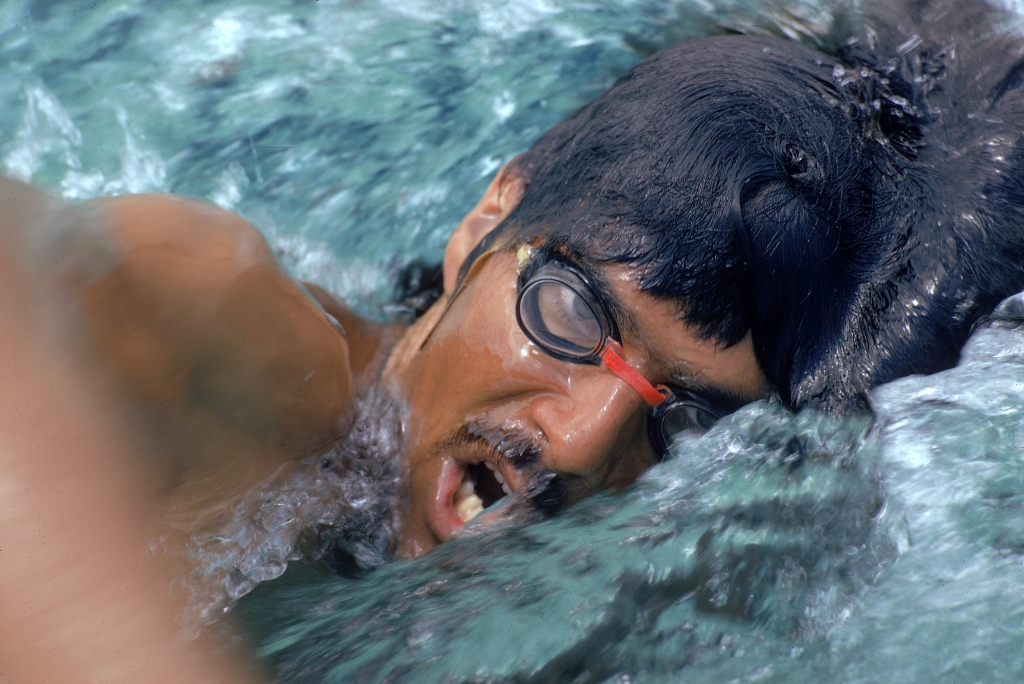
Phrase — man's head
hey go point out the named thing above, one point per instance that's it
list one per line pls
(732, 177)
(754, 216)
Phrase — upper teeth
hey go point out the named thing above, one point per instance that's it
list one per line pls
(497, 476)
(468, 504)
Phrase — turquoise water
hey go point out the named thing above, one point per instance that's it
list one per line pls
(856, 552)
(354, 134)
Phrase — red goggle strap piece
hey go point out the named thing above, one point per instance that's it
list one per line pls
(611, 358)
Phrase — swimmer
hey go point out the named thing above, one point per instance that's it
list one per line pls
(737, 218)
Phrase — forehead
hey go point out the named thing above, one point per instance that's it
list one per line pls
(654, 330)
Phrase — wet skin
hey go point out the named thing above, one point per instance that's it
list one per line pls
(235, 370)
(228, 367)
(81, 597)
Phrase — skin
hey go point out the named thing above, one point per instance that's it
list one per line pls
(233, 369)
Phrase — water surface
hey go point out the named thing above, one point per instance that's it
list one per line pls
(354, 134)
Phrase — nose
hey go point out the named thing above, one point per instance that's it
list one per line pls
(596, 428)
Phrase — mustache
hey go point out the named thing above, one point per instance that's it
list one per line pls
(517, 446)
(546, 491)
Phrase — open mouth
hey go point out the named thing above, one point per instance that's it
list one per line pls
(464, 490)
(482, 485)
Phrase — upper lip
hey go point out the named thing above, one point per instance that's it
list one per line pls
(512, 476)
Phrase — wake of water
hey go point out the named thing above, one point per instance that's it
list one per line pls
(341, 504)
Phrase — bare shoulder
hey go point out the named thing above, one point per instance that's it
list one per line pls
(201, 321)
(72, 489)
(176, 228)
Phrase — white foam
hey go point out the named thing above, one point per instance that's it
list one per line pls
(503, 106)
(345, 497)
(505, 18)
(142, 170)
(231, 183)
(46, 130)
(354, 281)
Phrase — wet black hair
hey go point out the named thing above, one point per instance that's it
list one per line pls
(858, 212)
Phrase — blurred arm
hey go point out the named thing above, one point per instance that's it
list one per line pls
(79, 599)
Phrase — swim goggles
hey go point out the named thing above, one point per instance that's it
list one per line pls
(560, 312)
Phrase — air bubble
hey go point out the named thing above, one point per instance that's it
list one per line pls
(344, 496)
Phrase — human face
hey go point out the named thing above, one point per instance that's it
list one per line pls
(479, 392)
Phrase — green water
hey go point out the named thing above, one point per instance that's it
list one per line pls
(354, 134)
(776, 548)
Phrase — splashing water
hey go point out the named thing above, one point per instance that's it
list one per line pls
(342, 503)
(775, 548)
(765, 528)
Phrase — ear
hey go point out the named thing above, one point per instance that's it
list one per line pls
(501, 198)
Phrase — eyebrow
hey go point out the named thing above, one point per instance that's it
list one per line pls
(624, 319)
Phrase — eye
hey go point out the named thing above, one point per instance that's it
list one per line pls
(561, 318)
(567, 314)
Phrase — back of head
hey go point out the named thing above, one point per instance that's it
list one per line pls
(858, 212)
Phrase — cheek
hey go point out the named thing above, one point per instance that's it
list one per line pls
(455, 377)
(607, 450)
(478, 342)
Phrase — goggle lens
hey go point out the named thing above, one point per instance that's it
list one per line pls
(689, 414)
(556, 313)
